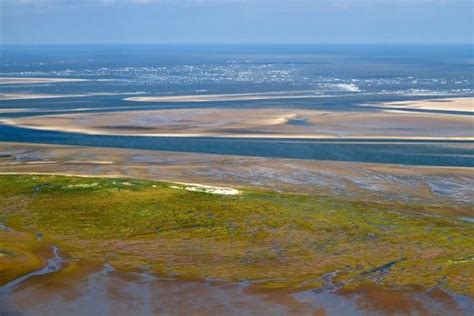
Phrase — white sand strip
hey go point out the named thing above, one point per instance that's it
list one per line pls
(23, 80)
(206, 189)
(225, 97)
(452, 105)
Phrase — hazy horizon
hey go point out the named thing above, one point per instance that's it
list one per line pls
(237, 44)
(53, 22)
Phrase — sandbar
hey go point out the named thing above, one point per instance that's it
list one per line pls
(258, 123)
(24, 80)
(451, 105)
(226, 97)
(25, 96)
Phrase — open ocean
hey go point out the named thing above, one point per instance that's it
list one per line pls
(341, 77)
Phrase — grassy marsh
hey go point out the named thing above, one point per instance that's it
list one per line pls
(275, 240)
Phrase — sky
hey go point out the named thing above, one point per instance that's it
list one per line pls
(235, 21)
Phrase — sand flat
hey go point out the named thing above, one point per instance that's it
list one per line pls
(258, 123)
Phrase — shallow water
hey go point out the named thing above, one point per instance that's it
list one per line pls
(341, 77)
(413, 153)
(54, 264)
(105, 291)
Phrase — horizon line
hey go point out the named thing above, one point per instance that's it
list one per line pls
(237, 43)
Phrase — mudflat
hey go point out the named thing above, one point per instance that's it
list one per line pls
(350, 179)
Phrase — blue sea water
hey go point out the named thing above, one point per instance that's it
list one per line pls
(341, 77)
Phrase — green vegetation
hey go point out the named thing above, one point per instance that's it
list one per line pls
(277, 240)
